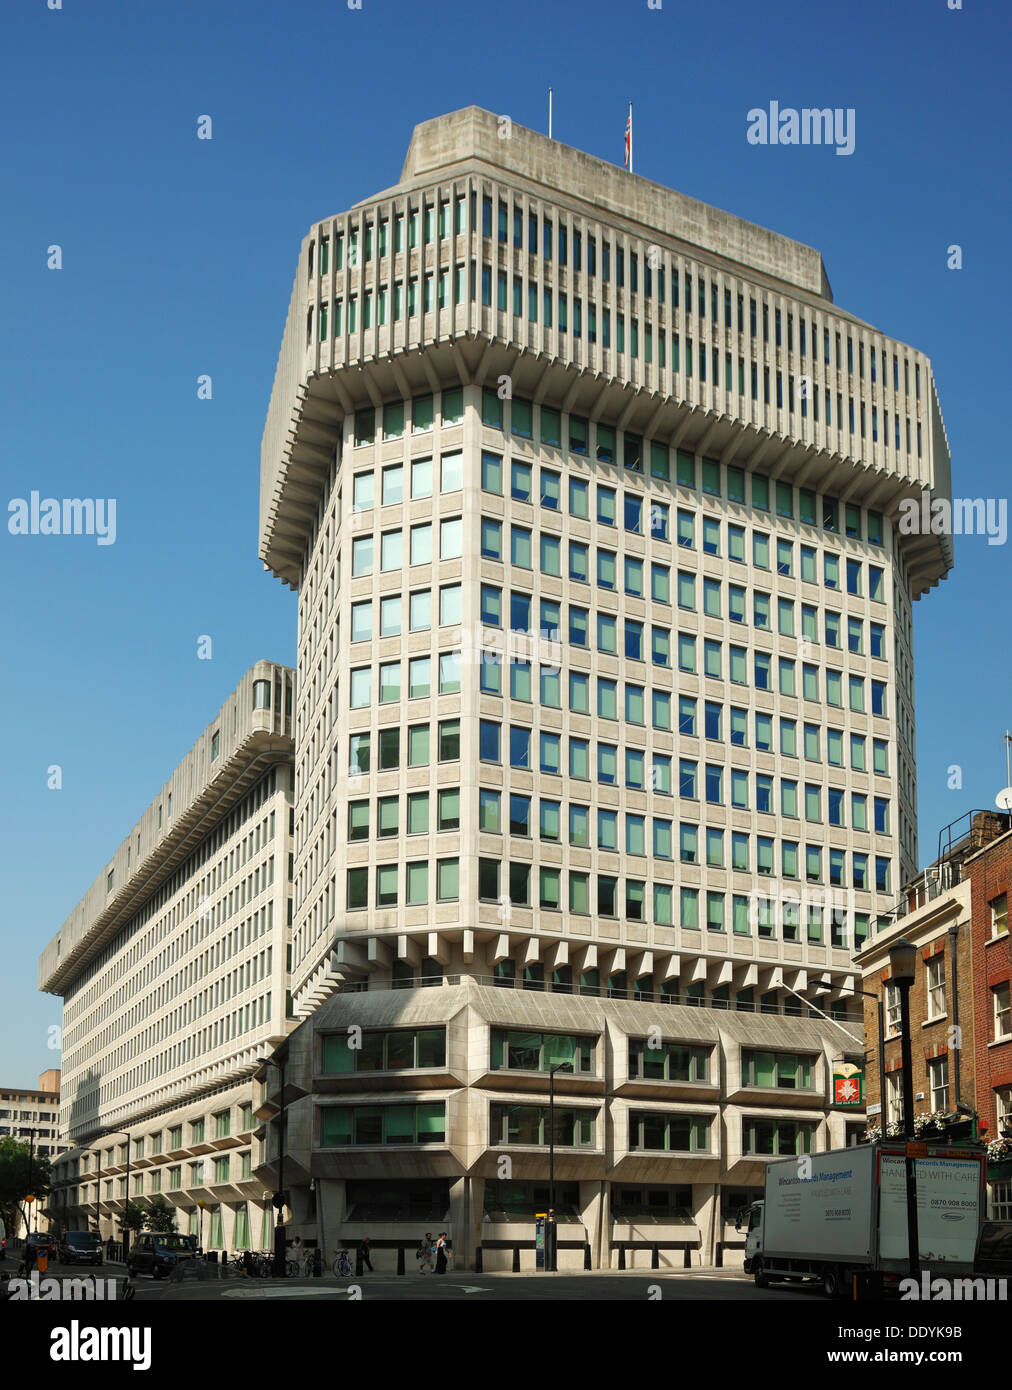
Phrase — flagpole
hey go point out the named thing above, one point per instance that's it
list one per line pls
(630, 139)
(549, 113)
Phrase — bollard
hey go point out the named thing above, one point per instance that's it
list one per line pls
(621, 1257)
(586, 1255)
(686, 1257)
(479, 1260)
(317, 1263)
(516, 1259)
(719, 1255)
(655, 1258)
(400, 1259)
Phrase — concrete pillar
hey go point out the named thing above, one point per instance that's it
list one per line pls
(330, 1212)
(603, 1255)
(477, 1211)
(261, 1226)
(705, 1209)
(462, 1221)
(227, 1226)
(591, 1210)
(301, 1206)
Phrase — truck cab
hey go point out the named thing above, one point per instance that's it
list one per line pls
(752, 1220)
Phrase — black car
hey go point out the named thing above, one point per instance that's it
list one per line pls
(158, 1255)
(994, 1250)
(81, 1247)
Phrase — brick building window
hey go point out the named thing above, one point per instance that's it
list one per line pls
(894, 1097)
(938, 1080)
(935, 982)
(1002, 1019)
(999, 914)
(892, 1005)
(1003, 1106)
(1001, 1201)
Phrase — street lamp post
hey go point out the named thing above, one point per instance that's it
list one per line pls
(31, 1160)
(903, 964)
(551, 1229)
(280, 1253)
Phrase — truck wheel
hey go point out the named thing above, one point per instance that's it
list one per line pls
(832, 1285)
(761, 1279)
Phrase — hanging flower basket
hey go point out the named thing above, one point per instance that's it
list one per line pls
(930, 1124)
(873, 1133)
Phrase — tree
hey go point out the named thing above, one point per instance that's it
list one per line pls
(132, 1217)
(22, 1174)
(160, 1216)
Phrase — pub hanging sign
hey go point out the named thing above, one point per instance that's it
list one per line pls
(848, 1086)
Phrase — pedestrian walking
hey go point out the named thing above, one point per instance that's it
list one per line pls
(362, 1256)
(441, 1253)
(425, 1253)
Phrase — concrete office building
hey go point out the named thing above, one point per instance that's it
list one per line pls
(173, 974)
(605, 684)
(33, 1117)
(26, 1115)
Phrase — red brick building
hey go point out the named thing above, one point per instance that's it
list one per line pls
(956, 914)
(989, 872)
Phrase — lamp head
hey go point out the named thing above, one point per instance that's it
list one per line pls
(902, 962)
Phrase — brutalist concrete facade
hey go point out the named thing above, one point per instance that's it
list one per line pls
(605, 1176)
(605, 684)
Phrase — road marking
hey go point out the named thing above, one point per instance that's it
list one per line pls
(277, 1291)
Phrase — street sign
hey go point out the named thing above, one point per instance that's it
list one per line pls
(916, 1149)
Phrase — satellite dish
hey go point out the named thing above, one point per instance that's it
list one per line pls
(1004, 800)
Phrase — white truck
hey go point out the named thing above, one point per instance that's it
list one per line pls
(832, 1215)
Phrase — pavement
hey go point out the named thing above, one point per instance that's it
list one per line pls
(204, 1282)
(597, 1285)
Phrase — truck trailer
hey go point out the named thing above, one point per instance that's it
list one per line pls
(833, 1215)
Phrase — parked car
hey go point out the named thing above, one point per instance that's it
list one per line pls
(81, 1247)
(994, 1250)
(158, 1255)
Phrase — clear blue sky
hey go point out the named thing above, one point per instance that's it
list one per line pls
(178, 257)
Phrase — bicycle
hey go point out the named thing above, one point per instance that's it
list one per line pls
(342, 1265)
